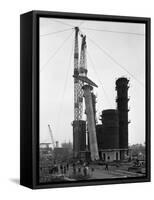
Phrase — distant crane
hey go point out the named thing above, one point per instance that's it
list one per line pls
(51, 135)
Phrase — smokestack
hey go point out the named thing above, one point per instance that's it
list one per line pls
(122, 107)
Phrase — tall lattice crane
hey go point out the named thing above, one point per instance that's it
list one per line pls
(80, 78)
(80, 69)
(76, 73)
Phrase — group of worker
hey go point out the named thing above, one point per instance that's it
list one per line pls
(75, 168)
(61, 168)
(82, 169)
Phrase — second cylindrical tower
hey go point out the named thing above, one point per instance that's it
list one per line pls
(122, 107)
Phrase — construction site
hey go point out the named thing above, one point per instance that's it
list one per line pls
(99, 150)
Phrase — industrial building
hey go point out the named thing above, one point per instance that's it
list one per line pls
(112, 133)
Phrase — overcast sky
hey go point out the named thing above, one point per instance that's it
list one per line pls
(109, 53)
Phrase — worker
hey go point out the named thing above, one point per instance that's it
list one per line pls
(106, 167)
(61, 168)
(79, 169)
(85, 170)
(64, 169)
(92, 169)
(67, 166)
(74, 169)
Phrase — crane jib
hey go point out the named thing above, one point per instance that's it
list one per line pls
(85, 80)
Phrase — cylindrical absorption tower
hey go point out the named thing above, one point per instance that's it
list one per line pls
(122, 107)
(109, 138)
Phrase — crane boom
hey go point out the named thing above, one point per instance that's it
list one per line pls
(51, 135)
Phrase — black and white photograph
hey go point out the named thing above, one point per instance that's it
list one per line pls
(76, 100)
(92, 100)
